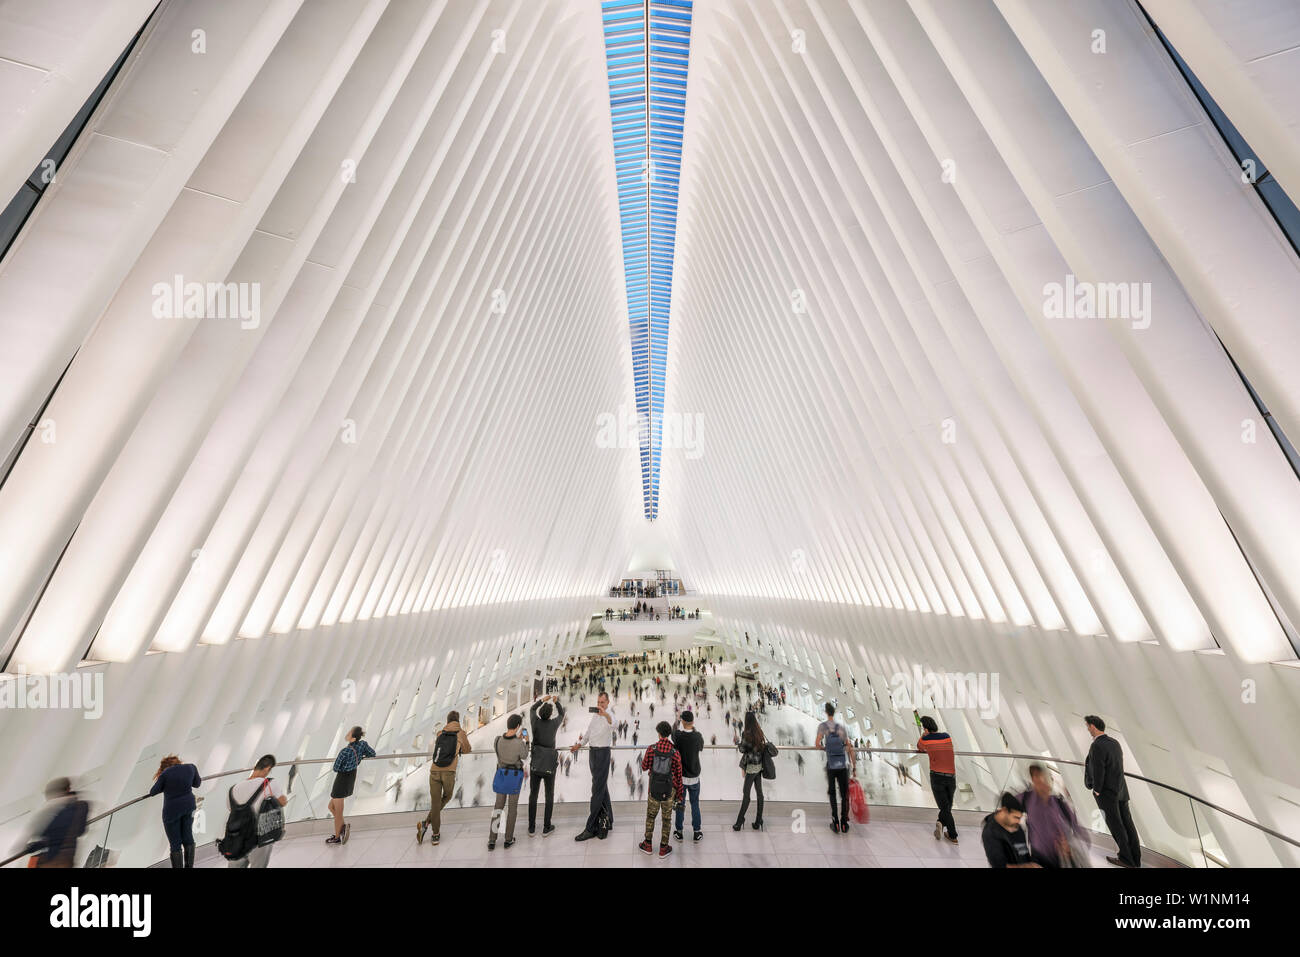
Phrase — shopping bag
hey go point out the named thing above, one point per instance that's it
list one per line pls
(857, 802)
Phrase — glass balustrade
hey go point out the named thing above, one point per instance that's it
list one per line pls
(1169, 822)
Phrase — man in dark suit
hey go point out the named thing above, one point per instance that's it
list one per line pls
(1103, 774)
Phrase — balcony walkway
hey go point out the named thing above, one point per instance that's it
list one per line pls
(895, 837)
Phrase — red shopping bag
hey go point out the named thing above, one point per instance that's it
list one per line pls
(858, 802)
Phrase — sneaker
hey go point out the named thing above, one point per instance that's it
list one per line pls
(699, 836)
(347, 832)
(434, 840)
(678, 835)
(510, 842)
(332, 840)
(419, 832)
(647, 847)
(532, 831)
(548, 830)
(938, 831)
(492, 845)
(664, 851)
(584, 836)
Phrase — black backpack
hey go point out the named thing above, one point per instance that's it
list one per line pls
(444, 749)
(248, 828)
(661, 775)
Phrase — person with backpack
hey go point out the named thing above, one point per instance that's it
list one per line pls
(546, 717)
(833, 739)
(755, 751)
(1054, 832)
(57, 827)
(664, 763)
(255, 822)
(345, 779)
(943, 775)
(511, 750)
(448, 746)
(177, 782)
(689, 744)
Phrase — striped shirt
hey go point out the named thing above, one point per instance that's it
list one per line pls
(938, 745)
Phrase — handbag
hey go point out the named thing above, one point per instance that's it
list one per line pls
(507, 780)
(858, 802)
(544, 760)
(769, 763)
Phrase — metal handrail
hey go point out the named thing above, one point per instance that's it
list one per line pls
(426, 755)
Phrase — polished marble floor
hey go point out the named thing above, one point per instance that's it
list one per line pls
(887, 841)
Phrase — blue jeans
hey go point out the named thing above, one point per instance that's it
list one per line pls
(693, 795)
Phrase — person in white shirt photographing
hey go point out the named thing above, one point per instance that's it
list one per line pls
(599, 738)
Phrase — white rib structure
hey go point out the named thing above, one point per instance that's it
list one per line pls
(385, 492)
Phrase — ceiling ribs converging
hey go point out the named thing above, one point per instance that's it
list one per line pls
(647, 47)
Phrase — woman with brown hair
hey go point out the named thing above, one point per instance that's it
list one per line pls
(177, 782)
(753, 748)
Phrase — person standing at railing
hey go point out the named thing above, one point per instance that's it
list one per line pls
(448, 746)
(512, 751)
(177, 782)
(345, 779)
(599, 738)
(937, 745)
(753, 746)
(545, 717)
(258, 785)
(689, 744)
(1103, 774)
(664, 763)
(834, 740)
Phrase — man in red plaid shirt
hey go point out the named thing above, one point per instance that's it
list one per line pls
(664, 762)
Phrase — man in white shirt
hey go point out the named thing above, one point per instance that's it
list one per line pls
(599, 738)
(243, 791)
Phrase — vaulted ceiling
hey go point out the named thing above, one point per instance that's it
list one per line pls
(983, 329)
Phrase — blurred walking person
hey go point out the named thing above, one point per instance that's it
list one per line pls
(1054, 831)
(57, 826)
